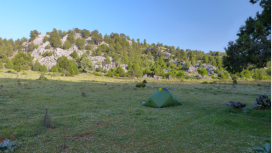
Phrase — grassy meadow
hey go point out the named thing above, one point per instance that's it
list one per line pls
(111, 118)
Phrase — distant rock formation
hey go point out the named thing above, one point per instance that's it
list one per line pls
(50, 61)
(208, 67)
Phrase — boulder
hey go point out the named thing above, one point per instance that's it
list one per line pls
(144, 76)
(39, 39)
(170, 77)
(199, 77)
(209, 68)
(166, 55)
(192, 69)
(166, 70)
(262, 102)
(237, 105)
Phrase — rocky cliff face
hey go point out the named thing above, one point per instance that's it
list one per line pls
(50, 61)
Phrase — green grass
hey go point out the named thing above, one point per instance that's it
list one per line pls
(111, 119)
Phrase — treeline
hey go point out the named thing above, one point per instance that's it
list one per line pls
(7, 47)
(141, 57)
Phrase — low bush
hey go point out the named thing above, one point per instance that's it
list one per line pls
(24, 73)
(47, 54)
(259, 74)
(214, 82)
(204, 82)
(42, 78)
(234, 77)
(47, 47)
(97, 74)
(139, 85)
(144, 81)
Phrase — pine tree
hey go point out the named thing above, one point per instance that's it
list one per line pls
(22, 61)
(74, 55)
(120, 71)
(54, 68)
(107, 61)
(37, 66)
(9, 64)
(43, 69)
(1, 65)
(67, 45)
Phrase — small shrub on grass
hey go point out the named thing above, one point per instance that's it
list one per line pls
(204, 82)
(9, 71)
(97, 74)
(234, 81)
(42, 78)
(187, 77)
(140, 85)
(144, 81)
(214, 82)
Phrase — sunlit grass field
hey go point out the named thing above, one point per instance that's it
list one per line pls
(111, 118)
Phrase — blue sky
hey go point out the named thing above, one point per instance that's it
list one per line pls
(196, 24)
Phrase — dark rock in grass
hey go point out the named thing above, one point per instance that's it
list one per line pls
(237, 105)
(84, 94)
(262, 102)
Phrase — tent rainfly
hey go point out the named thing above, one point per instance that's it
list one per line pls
(162, 98)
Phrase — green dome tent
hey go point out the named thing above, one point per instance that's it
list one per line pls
(162, 98)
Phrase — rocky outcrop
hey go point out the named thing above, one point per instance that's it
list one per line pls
(77, 35)
(166, 55)
(235, 104)
(152, 77)
(100, 61)
(208, 67)
(39, 39)
(192, 69)
(262, 102)
(50, 61)
(64, 39)
(174, 61)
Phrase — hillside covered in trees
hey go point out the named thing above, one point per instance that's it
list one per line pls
(74, 51)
